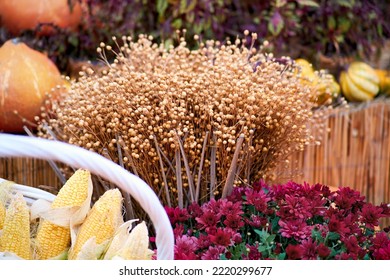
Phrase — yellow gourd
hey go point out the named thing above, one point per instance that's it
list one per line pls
(324, 84)
(359, 82)
(384, 80)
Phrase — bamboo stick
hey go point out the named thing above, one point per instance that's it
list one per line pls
(213, 166)
(179, 183)
(228, 187)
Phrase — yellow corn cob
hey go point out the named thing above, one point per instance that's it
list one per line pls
(137, 244)
(5, 190)
(2, 215)
(15, 236)
(101, 222)
(53, 239)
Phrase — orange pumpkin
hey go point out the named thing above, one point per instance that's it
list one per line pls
(26, 76)
(19, 15)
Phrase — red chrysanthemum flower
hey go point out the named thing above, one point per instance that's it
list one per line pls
(236, 238)
(297, 229)
(347, 198)
(316, 204)
(352, 245)
(295, 207)
(186, 247)
(252, 253)
(370, 215)
(195, 210)
(256, 221)
(233, 221)
(259, 185)
(213, 206)
(283, 212)
(346, 256)
(278, 192)
(325, 191)
(208, 219)
(230, 208)
(181, 215)
(382, 253)
(309, 249)
(294, 252)
(211, 230)
(237, 194)
(222, 237)
(323, 251)
(171, 214)
(385, 209)
(178, 230)
(213, 253)
(258, 199)
(380, 240)
(204, 241)
(336, 225)
(351, 222)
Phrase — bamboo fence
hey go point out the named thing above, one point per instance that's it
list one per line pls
(30, 172)
(354, 152)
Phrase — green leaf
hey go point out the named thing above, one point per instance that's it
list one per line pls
(198, 28)
(207, 24)
(316, 235)
(191, 6)
(346, 3)
(223, 257)
(380, 30)
(372, 15)
(333, 235)
(309, 3)
(162, 5)
(270, 238)
(275, 24)
(237, 251)
(183, 9)
(333, 253)
(331, 23)
(369, 232)
(275, 224)
(190, 16)
(73, 40)
(183, 6)
(344, 24)
(168, 43)
(262, 234)
(281, 256)
(262, 248)
(177, 23)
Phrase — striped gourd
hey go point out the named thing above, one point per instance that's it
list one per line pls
(359, 82)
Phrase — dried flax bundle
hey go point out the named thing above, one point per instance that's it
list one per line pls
(191, 123)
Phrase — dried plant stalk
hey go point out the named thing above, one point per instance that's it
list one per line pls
(178, 114)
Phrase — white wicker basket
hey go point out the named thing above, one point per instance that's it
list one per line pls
(31, 147)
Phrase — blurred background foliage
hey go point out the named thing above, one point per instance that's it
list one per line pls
(297, 28)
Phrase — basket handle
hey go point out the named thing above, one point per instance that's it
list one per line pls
(32, 147)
